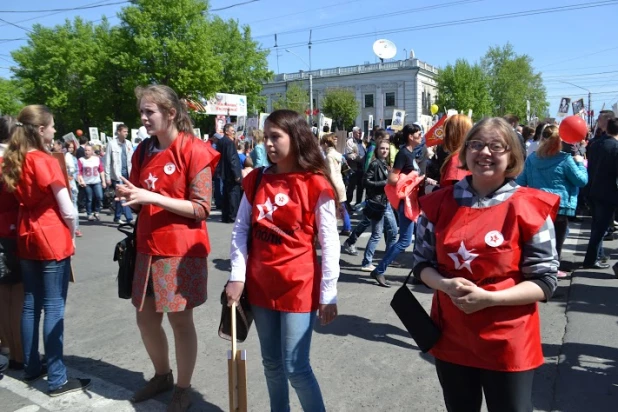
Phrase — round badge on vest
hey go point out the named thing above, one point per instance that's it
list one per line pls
(281, 199)
(494, 238)
(169, 168)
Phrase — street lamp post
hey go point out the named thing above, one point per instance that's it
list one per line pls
(310, 85)
(589, 101)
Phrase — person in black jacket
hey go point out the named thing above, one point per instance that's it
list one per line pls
(229, 170)
(377, 212)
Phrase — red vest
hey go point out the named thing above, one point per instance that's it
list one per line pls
(170, 173)
(485, 246)
(9, 209)
(451, 172)
(283, 271)
(42, 233)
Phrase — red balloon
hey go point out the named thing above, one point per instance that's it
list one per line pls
(573, 129)
(79, 132)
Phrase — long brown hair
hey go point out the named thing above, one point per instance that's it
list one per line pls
(303, 143)
(7, 125)
(166, 99)
(455, 130)
(25, 136)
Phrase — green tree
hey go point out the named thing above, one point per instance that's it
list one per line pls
(340, 104)
(464, 86)
(9, 97)
(296, 98)
(512, 81)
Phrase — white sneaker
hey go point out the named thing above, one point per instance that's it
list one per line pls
(368, 268)
(90, 218)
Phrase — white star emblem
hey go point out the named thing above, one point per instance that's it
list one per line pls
(266, 210)
(150, 182)
(465, 255)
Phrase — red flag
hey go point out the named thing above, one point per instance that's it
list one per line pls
(435, 135)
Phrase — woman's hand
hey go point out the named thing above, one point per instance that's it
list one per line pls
(473, 299)
(431, 181)
(327, 313)
(233, 291)
(130, 194)
(452, 287)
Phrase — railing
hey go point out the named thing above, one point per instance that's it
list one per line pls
(361, 68)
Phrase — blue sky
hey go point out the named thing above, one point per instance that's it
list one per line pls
(576, 46)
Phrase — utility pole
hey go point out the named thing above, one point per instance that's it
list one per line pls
(310, 84)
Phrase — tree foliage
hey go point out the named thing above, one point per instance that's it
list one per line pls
(86, 73)
(499, 85)
(464, 86)
(340, 104)
(295, 98)
(9, 97)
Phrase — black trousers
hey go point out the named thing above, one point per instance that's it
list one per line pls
(356, 182)
(561, 225)
(232, 194)
(463, 388)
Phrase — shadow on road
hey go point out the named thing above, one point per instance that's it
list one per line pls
(130, 380)
(224, 265)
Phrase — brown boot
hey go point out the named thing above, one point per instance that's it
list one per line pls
(158, 384)
(181, 400)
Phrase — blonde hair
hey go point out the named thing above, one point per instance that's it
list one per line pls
(506, 132)
(167, 100)
(550, 143)
(328, 139)
(258, 136)
(25, 136)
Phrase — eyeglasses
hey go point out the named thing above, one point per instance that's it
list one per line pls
(494, 147)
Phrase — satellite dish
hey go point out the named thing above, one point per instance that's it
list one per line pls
(384, 49)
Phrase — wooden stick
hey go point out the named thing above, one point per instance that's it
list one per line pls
(234, 380)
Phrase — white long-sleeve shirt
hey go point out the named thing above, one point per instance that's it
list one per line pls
(326, 218)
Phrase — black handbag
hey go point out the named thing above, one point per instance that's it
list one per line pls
(244, 314)
(414, 317)
(125, 254)
(10, 271)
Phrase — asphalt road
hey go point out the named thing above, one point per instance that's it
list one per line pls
(364, 361)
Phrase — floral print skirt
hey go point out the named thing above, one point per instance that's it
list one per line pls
(177, 283)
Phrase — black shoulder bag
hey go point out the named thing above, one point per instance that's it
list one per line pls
(414, 317)
(125, 252)
(244, 315)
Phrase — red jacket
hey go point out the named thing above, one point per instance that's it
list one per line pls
(485, 246)
(170, 173)
(451, 173)
(42, 233)
(283, 271)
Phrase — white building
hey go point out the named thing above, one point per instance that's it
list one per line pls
(380, 89)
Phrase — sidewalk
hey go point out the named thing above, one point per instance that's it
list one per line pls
(587, 373)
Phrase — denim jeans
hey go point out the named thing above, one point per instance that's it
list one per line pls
(94, 190)
(602, 216)
(388, 223)
(74, 196)
(285, 342)
(46, 283)
(345, 216)
(218, 191)
(119, 209)
(406, 229)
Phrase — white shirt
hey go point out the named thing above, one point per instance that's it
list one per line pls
(326, 217)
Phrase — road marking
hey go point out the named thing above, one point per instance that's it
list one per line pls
(101, 396)
(31, 408)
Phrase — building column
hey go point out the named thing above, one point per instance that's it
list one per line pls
(359, 99)
(379, 105)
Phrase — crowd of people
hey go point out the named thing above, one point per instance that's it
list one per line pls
(487, 213)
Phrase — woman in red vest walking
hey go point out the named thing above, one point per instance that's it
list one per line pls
(293, 205)
(487, 246)
(44, 243)
(171, 186)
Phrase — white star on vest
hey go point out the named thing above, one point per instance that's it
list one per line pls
(266, 210)
(463, 257)
(150, 182)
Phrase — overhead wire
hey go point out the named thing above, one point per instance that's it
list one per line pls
(305, 11)
(67, 9)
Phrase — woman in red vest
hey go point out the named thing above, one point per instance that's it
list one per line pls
(486, 245)
(292, 206)
(171, 187)
(11, 287)
(44, 243)
(455, 130)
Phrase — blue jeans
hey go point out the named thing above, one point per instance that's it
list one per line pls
(388, 223)
(285, 342)
(406, 229)
(602, 216)
(46, 283)
(94, 190)
(218, 192)
(119, 209)
(347, 225)
(74, 196)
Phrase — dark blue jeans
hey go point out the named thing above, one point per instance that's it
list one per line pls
(94, 191)
(119, 209)
(406, 229)
(602, 216)
(46, 283)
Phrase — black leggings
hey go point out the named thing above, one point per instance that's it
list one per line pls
(561, 226)
(463, 388)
